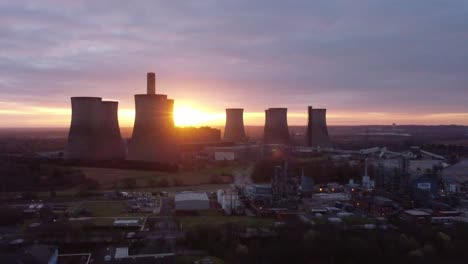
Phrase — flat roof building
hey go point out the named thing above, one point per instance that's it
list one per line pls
(191, 201)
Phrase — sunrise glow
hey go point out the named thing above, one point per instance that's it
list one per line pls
(187, 115)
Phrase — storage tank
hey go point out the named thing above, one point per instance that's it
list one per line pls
(234, 129)
(276, 126)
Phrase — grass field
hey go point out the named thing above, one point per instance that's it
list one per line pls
(192, 259)
(218, 220)
(105, 208)
(110, 178)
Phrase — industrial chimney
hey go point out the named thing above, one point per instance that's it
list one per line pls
(84, 135)
(153, 137)
(112, 146)
(317, 132)
(150, 83)
(276, 126)
(234, 129)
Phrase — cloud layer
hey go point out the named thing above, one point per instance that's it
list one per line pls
(401, 58)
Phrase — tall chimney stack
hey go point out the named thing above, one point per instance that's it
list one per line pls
(151, 83)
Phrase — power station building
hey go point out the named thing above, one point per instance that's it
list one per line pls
(154, 135)
(317, 132)
(234, 129)
(276, 126)
(94, 131)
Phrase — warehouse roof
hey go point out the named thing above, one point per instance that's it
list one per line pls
(457, 172)
(191, 196)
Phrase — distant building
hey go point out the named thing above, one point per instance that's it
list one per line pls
(238, 152)
(146, 255)
(259, 192)
(191, 201)
(455, 177)
(229, 201)
(426, 183)
(190, 135)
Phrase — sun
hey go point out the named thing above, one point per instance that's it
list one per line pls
(186, 115)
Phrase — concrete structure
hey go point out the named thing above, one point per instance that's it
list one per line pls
(257, 192)
(307, 185)
(237, 152)
(229, 201)
(191, 201)
(276, 126)
(111, 145)
(455, 177)
(154, 137)
(84, 134)
(94, 131)
(234, 129)
(317, 132)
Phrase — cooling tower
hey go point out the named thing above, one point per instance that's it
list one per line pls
(276, 126)
(234, 129)
(84, 135)
(317, 132)
(153, 137)
(111, 145)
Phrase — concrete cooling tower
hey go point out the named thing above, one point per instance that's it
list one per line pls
(234, 129)
(276, 126)
(317, 132)
(112, 145)
(94, 132)
(154, 137)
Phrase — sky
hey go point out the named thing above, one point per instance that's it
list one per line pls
(366, 61)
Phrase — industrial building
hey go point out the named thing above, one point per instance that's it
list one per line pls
(276, 126)
(455, 177)
(230, 201)
(259, 192)
(307, 185)
(237, 152)
(194, 135)
(317, 132)
(94, 131)
(234, 129)
(191, 201)
(154, 137)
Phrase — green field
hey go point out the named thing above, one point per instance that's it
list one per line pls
(218, 220)
(192, 259)
(107, 208)
(110, 178)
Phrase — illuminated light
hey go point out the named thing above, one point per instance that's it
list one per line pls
(333, 190)
(320, 189)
